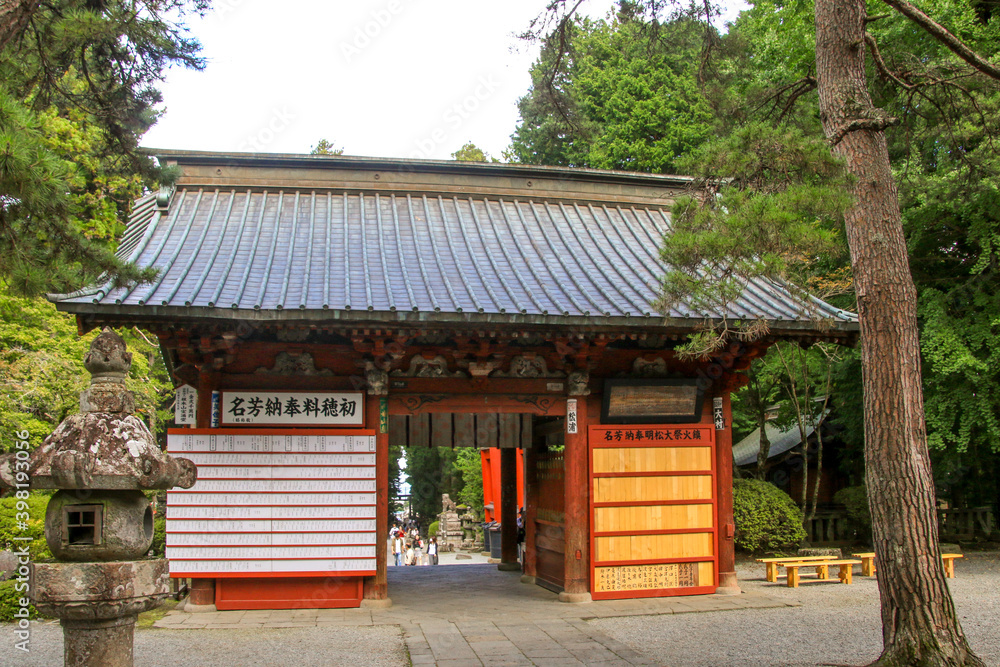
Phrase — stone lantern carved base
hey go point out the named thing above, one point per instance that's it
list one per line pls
(97, 605)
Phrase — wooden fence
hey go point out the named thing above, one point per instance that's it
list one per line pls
(977, 523)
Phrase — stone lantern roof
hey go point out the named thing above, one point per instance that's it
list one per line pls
(104, 446)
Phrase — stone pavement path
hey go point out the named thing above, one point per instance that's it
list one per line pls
(476, 615)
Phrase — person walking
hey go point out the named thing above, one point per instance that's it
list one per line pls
(397, 549)
(409, 553)
(432, 550)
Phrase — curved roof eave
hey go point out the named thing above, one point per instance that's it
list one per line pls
(361, 318)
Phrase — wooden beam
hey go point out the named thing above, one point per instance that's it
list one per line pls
(576, 458)
(486, 431)
(531, 504)
(398, 431)
(535, 404)
(420, 432)
(377, 587)
(724, 496)
(464, 426)
(508, 509)
(441, 430)
(509, 434)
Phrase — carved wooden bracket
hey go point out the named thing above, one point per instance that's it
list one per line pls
(300, 364)
(529, 365)
(422, 367)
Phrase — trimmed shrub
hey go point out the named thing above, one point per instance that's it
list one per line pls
(855, 500)
(11, 525)
(767, 519)
(10, 601)
(158, 548)
(433, 530)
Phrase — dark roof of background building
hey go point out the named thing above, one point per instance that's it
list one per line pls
(782, 440)
(555, 251)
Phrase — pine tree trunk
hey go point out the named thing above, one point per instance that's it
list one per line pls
(819, 472)
(919, 626)
(764, 451)
(14, 17)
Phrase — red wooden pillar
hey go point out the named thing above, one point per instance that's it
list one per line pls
(576, 459)
(206, 385)
(377, 587)
(727, 584)
(203, 590)
(508, 510)
(530, 510)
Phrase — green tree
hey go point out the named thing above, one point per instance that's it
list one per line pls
(469, 464)
(919, 622)
(430, 472)
(752, 406)
(77, 93)
(470, 152)
(324, 147)
(615, 95)
(42, 373)
(395, 453)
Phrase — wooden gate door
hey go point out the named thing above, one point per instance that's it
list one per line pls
(653, 511)
(550, 521)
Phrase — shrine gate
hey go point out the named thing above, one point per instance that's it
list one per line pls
(307, 306)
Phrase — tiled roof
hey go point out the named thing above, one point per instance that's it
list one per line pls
(745, 451)
(232, 252)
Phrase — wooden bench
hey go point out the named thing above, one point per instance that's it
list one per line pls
(868, 564)
(822, 570)
(772, 563)
(949, 564)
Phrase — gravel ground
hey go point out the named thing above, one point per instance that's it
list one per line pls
(366, 646)
(836, 624)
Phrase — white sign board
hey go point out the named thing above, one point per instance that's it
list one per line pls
(571, 423)
(275, 502)
(292, 408)
(718, 415)
(186, 405)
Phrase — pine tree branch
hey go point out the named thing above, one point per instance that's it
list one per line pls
(14, 18)
(882, 67)
(941, 34)
(875, 122)
(563, 31)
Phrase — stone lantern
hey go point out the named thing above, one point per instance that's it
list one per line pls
(100, 521)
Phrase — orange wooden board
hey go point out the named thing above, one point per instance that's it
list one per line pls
(653, 510)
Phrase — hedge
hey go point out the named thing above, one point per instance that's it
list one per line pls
(10, 525)
(767, 519)
(10, 600)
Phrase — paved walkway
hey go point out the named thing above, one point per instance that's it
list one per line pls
(477, 615)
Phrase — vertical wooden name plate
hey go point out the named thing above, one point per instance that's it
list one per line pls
(270, 503)
(653, 515)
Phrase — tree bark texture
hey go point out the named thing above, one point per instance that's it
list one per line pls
(14, 17)
(764, 450)
(919, 625)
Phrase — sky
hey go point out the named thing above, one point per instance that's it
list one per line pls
(381, 78)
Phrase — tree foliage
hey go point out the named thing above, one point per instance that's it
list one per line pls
(620, 94)
(42, 373)
(325, 147)
(941, 95)
(430, 472)
(768, 201)
(77, 91)
(470, 152)
(766, 517)
(469, 464)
